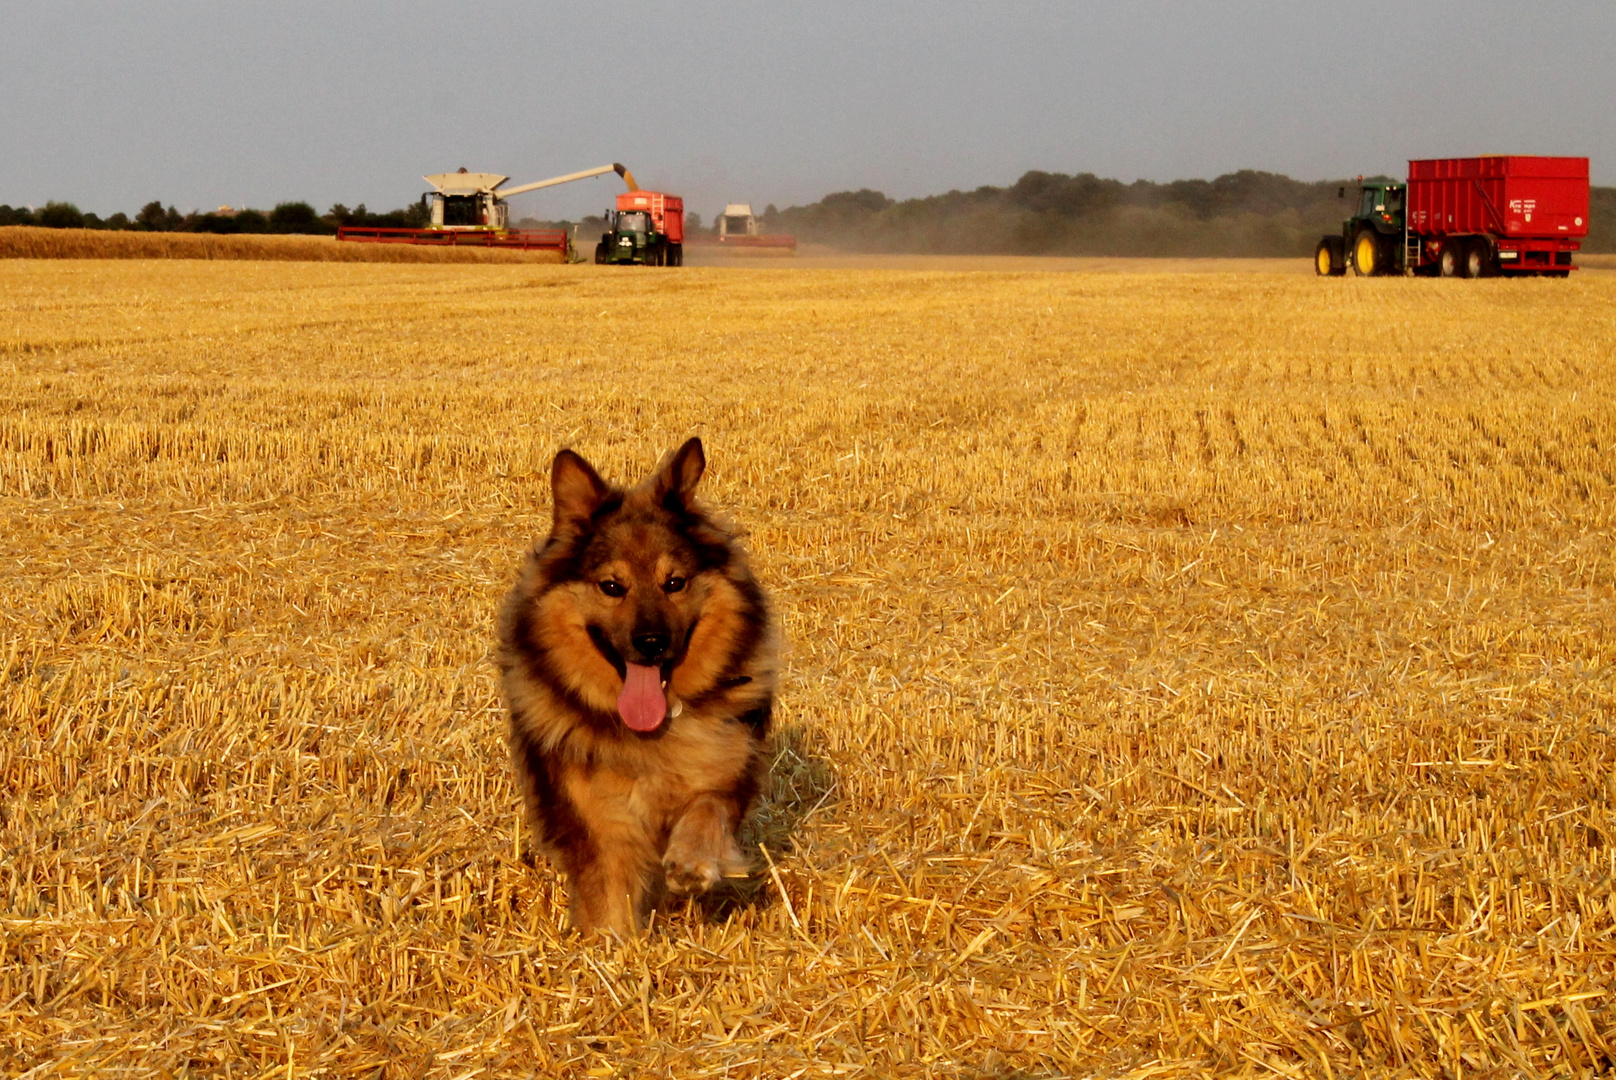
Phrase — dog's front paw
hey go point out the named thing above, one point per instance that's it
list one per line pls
(689, 874)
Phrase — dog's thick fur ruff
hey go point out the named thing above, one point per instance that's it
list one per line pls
(628, 586)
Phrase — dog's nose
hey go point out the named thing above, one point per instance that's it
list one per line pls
(651, 645)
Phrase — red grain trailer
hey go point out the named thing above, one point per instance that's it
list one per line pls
(648, 227)
(1514, 214)
(1466, 217)
(667, 211)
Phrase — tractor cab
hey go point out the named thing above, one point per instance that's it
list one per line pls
(633, 227)
(1380, 206)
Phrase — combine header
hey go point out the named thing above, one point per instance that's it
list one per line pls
(467, 209)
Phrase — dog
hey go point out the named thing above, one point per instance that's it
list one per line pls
(637, 656)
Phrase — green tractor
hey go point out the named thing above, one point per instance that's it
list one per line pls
(630, 238)
(1371, 241)
(647, 228)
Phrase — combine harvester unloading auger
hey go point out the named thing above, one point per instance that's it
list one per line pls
(467, 209)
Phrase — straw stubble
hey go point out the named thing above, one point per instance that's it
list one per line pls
(1186, 673)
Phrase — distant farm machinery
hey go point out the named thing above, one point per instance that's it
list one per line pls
(737, 233)
(468, 209)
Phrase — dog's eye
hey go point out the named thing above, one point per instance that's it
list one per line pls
(673, 584)
(612, 588)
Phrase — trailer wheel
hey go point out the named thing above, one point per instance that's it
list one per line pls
(1366, 254)
(1478, 259)
(676, 254)
(1449, 263)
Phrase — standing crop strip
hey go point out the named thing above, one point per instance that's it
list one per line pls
(1186, 672)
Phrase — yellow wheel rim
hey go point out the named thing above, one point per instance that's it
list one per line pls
(1366, 255)
(1323, 260)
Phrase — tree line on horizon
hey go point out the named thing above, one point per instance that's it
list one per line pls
(1246, 213)
(286, 217)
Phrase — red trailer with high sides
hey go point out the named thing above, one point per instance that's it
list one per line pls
(647, 228)
(1466, 217)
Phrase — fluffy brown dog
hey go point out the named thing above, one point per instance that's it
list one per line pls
(638, 662)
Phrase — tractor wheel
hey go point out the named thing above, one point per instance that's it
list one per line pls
(1328, 258)
(1367, 258)
(600, 253)
(1478, 259)
(1450, 262)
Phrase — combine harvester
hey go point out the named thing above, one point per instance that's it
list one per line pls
(738, 234)
(467, 209)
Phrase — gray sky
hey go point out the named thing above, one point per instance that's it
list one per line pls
(110, 105)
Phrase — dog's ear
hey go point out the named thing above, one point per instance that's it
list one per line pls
(681, 471)
(577, 488)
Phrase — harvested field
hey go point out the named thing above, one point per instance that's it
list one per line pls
(819, 257)
(26, 242)
(1188, 673)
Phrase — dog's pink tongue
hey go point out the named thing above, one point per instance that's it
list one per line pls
(642, 704)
